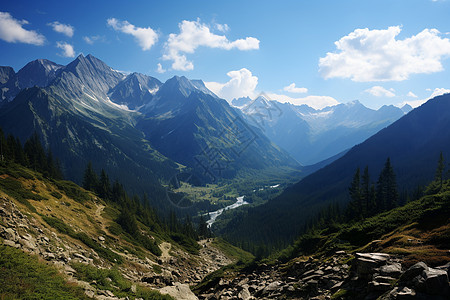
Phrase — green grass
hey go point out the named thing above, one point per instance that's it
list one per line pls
(15, 189)
(112, 279)
(73, 191)
(232, 251)
(83, 237)
(23, 276)
(430, 211)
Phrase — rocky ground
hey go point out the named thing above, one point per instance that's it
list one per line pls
(343, 276)
(172, 273)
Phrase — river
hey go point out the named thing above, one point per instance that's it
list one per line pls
(214, 214)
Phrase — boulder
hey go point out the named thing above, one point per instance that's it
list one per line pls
(179, 291)
(413, 271)
(436, 281)
(392, 270)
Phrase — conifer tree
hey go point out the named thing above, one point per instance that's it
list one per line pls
(355, 205)
(387, 193)
(439, 176)
(90, 179)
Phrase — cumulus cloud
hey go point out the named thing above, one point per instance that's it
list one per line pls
(317, 102)
(146, 37)
(62, 28)
(160, 69)
(379, 91)
(194, 34)
(242, 83)
(411, 94)
(293, 89)
(436, 92)
(376, 55)
(11, 31)
(67, 49)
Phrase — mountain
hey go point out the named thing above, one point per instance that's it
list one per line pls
(135, 90)
(214, 138)
(412, 143)
(139, 130)
(78, 123)
(311, 135)
(39, 72)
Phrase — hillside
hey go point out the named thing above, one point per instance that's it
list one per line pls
(399, 254)
(83, 237)
(412, 143)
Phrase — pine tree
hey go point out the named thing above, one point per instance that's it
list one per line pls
(203, 230)
(365, 192)
(104, 187)
(439, 176)
(355, 206)
(387, 193)
(90, 179)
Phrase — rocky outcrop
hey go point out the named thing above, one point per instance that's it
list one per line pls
(369, 276)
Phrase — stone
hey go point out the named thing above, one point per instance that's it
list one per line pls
(436, 281)
(413, 271)
(9, 243)
(393, 269)
(405, 293)
(49, 256)
(101, 239)
(375, 286)
(179, 291)
(10, 234)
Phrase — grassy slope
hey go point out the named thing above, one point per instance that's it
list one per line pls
(419, 230)
(25, 277)
(79, 218)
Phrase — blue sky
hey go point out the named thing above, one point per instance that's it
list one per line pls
(314, 52)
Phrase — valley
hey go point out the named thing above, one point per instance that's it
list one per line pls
(126, 187)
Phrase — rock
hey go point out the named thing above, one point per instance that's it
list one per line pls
(366, 263)
(179, 291)
(49, 256)
(375, 286)
(10, 234)
(413, 271)
(436, 281)
(133, 288)
(101, 239)
(10, 243)
(393, 269)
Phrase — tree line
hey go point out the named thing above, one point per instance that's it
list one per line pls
(136, 209)
(31, 155)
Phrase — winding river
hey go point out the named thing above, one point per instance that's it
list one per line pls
(214, 214)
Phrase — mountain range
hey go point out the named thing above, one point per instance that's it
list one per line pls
(413, 143)
(135, 127)
(312, 135)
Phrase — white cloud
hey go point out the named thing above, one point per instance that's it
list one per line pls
(11, 31)
(160, 69)
(194, 34)
(146, 37)
(436, 92)
(67, 49)
(92, 39)
(379, 91)
(62, 28)
(317, 102)
(241, 84)
(411, 94)
(222, 27)
(292, 89)
(376, 55)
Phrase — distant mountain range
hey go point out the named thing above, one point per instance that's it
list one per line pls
(310, 135)
(413, 144)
